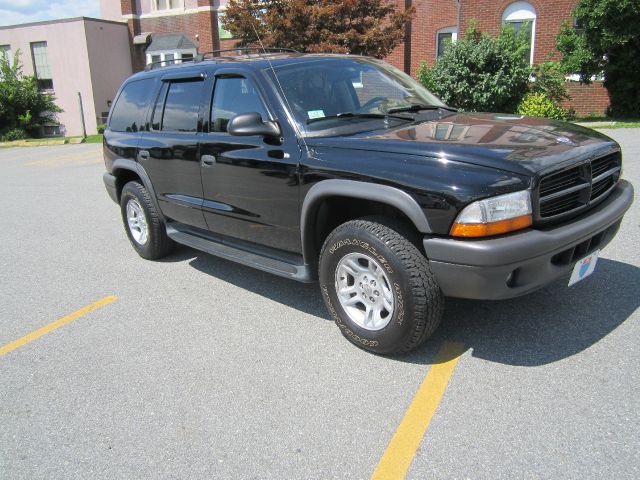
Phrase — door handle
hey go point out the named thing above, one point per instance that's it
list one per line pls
(143, 155)
(208, 160)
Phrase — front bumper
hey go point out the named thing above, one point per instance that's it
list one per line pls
(516, 264)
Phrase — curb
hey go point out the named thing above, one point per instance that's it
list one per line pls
(43, 143)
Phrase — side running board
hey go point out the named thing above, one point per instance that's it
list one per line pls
(241, 252)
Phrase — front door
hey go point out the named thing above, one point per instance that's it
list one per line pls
(250, 183)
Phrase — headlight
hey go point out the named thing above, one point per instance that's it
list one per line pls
(493, 216)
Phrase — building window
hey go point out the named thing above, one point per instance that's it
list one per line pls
(5, 50)
(444, 37)
(168, 4)
(41, 65)
(170, 57)
(522, 17)
(222, 33)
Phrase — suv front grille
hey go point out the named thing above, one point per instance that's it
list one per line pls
(575, 189)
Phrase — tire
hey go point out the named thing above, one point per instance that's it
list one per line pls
(147, 233)
(398, 276)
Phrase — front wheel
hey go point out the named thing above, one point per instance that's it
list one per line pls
(378, 287)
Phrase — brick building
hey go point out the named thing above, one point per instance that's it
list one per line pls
(437, 22)
(170, 30)
(181, 27)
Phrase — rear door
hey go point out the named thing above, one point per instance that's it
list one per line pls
(250, 183)
(169, 149)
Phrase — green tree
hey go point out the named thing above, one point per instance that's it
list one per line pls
(607, 41)
(23, 108)
(363, 27)
(481, 73)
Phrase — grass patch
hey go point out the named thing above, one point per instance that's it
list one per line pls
(619, 125)
(601, 122)
(93, 138)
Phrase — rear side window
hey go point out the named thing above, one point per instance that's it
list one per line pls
(178, 106)
(131, 107)
(232, 96)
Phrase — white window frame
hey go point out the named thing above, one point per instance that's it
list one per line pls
(156, 8)
(454, 36)
(523, 12)
(177, 55)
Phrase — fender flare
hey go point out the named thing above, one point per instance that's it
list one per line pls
(135, 167)
(361, 190)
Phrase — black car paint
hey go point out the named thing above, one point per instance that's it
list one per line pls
(256, 187)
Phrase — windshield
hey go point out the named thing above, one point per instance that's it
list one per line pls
(349, 94)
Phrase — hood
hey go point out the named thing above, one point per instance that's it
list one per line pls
(514, 143)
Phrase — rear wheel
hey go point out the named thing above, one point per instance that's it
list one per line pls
(378, 287)
(146, 231)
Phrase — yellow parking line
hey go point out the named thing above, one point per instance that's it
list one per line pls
(60, 160)
(403, 446)
(9, 347)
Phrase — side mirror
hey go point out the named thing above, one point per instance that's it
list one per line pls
(247, 124)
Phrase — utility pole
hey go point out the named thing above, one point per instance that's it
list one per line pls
(84, 127)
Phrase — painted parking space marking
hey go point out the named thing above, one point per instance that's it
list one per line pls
(78, 158)
(9, 347)
(396, 460)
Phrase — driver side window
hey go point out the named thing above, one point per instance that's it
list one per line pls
(233, 96)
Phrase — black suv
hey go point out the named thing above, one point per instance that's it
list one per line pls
(345, 169)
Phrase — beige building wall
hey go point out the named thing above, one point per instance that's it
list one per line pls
(85, 55)
(109, 66)
(110, 10)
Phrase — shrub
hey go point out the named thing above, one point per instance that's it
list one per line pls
(102, 127)
(13, 134)
(549, 79)
(607, 41)
(481, 73)
(539, 105)
(22, 105)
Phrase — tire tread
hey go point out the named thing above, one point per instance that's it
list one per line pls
(427, 296)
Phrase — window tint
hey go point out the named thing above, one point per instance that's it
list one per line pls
(131, 107)
(182, 106)
(156, 119)
(231, 97)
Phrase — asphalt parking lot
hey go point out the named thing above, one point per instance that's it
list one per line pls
(195, 367)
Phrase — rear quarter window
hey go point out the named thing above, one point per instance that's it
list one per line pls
(130, 109)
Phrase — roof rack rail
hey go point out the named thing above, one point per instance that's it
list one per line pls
(216, 54)
(244, 51)
(167, 63)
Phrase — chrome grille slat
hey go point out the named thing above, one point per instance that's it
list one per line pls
(574, 189)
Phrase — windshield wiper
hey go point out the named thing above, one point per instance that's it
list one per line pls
(358, 115)
(417, 107)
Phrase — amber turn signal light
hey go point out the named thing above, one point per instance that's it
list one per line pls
(493, 228)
